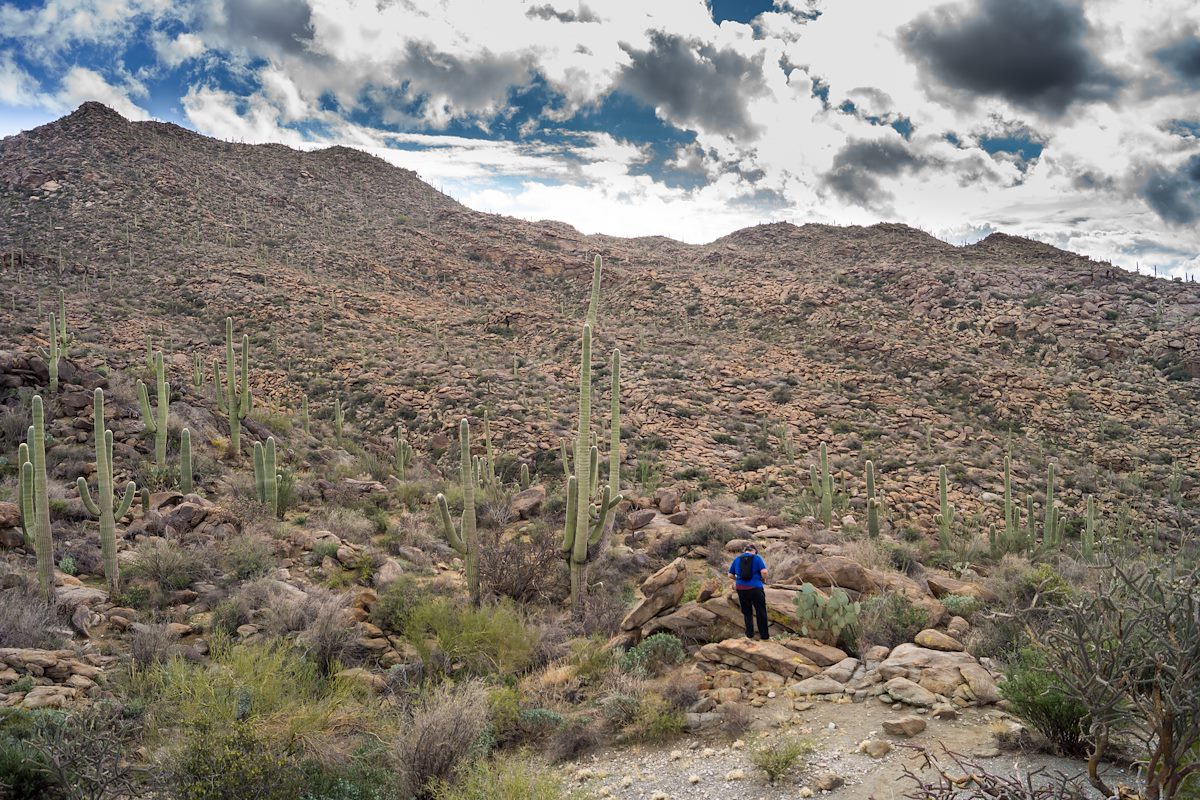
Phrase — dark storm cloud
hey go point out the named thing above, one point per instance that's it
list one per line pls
(1032, 53)
(857, 167)
(694, 84)
(283, 24)
(1174, 195)
(548, 11)
(1182, 58)
(477, 84)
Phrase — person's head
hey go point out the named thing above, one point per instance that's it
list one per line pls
(752, 549)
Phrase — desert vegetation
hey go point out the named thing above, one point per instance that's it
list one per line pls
(452, 526)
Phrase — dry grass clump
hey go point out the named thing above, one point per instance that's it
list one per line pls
(445, 730)
(27, 620)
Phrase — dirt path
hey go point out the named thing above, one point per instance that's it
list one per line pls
(717, 768)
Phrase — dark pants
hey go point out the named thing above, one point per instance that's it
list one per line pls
(754, 602)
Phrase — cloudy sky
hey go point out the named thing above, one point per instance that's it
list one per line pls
(1076, 122)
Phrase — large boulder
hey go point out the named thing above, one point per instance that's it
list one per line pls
(528, 504)
(942, 585)
(751, 656)
(661, 591)
(10, 515)
(840, 571)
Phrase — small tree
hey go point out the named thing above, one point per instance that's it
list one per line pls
(1130, 654)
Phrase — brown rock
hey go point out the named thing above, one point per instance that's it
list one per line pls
(936, 640)
(636, 520)
(10, 515)
(942, 585)
(910, 725)
(660, 592)
(839, 571)
(528, 504)
(981, 684)
(828, 781)
(822, 655)
(906, 691)
(875, 748)
(751, 655)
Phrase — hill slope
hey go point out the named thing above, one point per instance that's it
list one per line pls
(354, 278)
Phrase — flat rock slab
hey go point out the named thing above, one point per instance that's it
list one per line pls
(904, 726)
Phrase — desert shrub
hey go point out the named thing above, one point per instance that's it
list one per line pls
(228, 615)
(941, 777)
(653, 654)
(395, 605)
(328, 636)
(229, 763)
(888, 619)
(83, 752)
(482, 640)
(571, 740)
(23, 774)
(447, 731)
(1039, 699)
(656, 721)
(248, 557)
(735, 719)
(27, 620)
(681, 691)
(961, 605)
(364, 776)
(150, 644)
(620, 709)
(350, 524)
(591, 658)
(502, 779)
(599, 613)
(778, 758)
(166, 564)
(527, 569)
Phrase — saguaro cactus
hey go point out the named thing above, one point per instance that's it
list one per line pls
(945, 517)
(1051, 529)
(237, 400)
(402, 454)
(64, 337)
(266, 475)
(52, 354)
(1087, 543)
(614, 443)
(103, 506)
(155, 420)
(594, 302)
(338, 419)
(464, 541)
(304, 414)
(488, 474)
(822, 486)
(872, 503)
(585, 523)
(35, 502)
(185, 461)
(197, 371)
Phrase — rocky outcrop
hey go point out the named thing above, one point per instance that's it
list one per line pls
(660, 592)
(753, 656)
(48, 678)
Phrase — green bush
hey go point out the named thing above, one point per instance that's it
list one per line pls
(249, 557)
(21, 767)
(656, 721)
(1039, 699)
(167, 564)
(482, 641)
(961, 605)
(888, 619)
(503, 779)
(778, 758)
(366, 776)
(230, 763)
(653, 655)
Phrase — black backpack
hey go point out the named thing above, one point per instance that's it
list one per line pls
(745, 570)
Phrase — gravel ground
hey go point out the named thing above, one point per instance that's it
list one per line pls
(715, 767)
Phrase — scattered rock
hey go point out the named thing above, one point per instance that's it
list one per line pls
(936, 640)
(904, 726)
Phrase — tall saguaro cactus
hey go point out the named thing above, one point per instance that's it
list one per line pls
(266, 475)
(402, 454)
(614, 443)
(237, 400)
(35, 502)
(464, 541)
(872, 503)
(1087, 543)
(488, 473)
(945, 516)
(103, 506)
(585, 522)
(155, 420)
(63, 336)
(1051, 527)
(185, 461)
(822, 486)
(52, 354)
(594, 302)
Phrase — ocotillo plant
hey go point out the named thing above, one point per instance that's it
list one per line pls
(822, 486)
(585, 523)
(464, 541)
(155, 420)
(266, 475)
(872, 503)
(35, 501)
(102, 508)
(185, 461)
(402, 454)
(237, 400)
(945, 516)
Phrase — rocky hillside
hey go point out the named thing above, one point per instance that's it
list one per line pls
(355, 279)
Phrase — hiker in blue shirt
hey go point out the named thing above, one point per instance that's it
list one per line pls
(748, 571)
